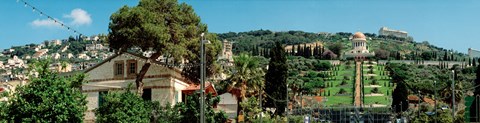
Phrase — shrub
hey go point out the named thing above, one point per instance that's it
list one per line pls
(342, 91)
(375, 90)
(123, 107)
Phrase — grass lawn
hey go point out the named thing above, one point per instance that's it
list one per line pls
(384, 100)
(339, 100)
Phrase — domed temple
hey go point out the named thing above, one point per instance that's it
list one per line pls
(359, 44)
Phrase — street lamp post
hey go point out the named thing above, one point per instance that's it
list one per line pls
(435, 99)
(202, 77)
(453, 93)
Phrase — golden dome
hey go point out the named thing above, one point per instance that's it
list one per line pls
(359, 35)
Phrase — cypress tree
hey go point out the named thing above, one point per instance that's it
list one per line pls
(399, 103)
(293, 50)
(469, 61)
(473, 108)
(299, 51)
(276, 79)
(474, 62)
(452, 57)
(445, 57)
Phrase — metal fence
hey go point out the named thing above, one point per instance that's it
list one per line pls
(346, 114)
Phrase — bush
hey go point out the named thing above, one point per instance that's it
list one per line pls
(375, 90)
(342, 91)
(322, 66)
(373, 82)
(124, 107)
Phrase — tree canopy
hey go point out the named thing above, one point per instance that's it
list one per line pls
(47, 98)
(163, 27)
(276, 79)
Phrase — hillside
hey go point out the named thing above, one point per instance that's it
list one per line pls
(407, 48)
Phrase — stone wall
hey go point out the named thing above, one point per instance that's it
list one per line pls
(450, 63)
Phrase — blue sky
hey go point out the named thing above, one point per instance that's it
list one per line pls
(449, 24)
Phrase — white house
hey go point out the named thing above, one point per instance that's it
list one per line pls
(161, 83)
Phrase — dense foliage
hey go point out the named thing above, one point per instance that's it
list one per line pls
(164, 27)
(389, 47)
(276, 79)
(124, 107)
(47, 98)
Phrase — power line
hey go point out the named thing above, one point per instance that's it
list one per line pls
(41, 13)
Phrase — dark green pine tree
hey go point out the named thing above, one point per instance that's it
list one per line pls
(292, 50)
(399, 102)
(276, 80)
(309, 52)
(452, 58)
(299, 50)
(445, 56)
(398, 56)
(473, 108)
(474, 62)
(469, 61)
(254, 51)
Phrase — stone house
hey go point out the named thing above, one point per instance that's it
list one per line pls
(161, 83)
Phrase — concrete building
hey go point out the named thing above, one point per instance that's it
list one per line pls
(397, 33)
(58, 67)
(56, 56)
(55, 42)
(472, 53)
(161, 83)
(14, 62)
(227, 51)
(93, 47)
(40, 53)
(359, 44)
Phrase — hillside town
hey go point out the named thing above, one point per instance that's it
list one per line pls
(156, 61)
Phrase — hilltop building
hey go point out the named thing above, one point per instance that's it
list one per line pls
(472, 53)
(360, 50)
(390, 32)
(227, 51)
(161, 83)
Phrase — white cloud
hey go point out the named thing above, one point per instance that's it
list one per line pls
(79, 17)
(44, 23)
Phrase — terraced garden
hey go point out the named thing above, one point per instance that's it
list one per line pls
(377, 87)
(334, 86)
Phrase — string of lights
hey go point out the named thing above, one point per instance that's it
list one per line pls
(41, 13)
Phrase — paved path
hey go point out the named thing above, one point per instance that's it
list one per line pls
(358, 99)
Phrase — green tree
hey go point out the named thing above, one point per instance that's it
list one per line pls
(474, 109)
(125, 107)
(399, 102)
(163, 26)
(276, 80)
(336, 48)
(247, 78)
(190, 110)
(47, 98)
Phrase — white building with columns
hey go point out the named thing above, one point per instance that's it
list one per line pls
(359, 44)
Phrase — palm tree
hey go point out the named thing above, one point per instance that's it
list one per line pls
(247, 78)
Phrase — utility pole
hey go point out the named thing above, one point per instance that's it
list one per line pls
(435, 99)
(202, 77)
(202, 83)
(453, 94)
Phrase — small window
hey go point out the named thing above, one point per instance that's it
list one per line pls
(132, 67)
(118, 69)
